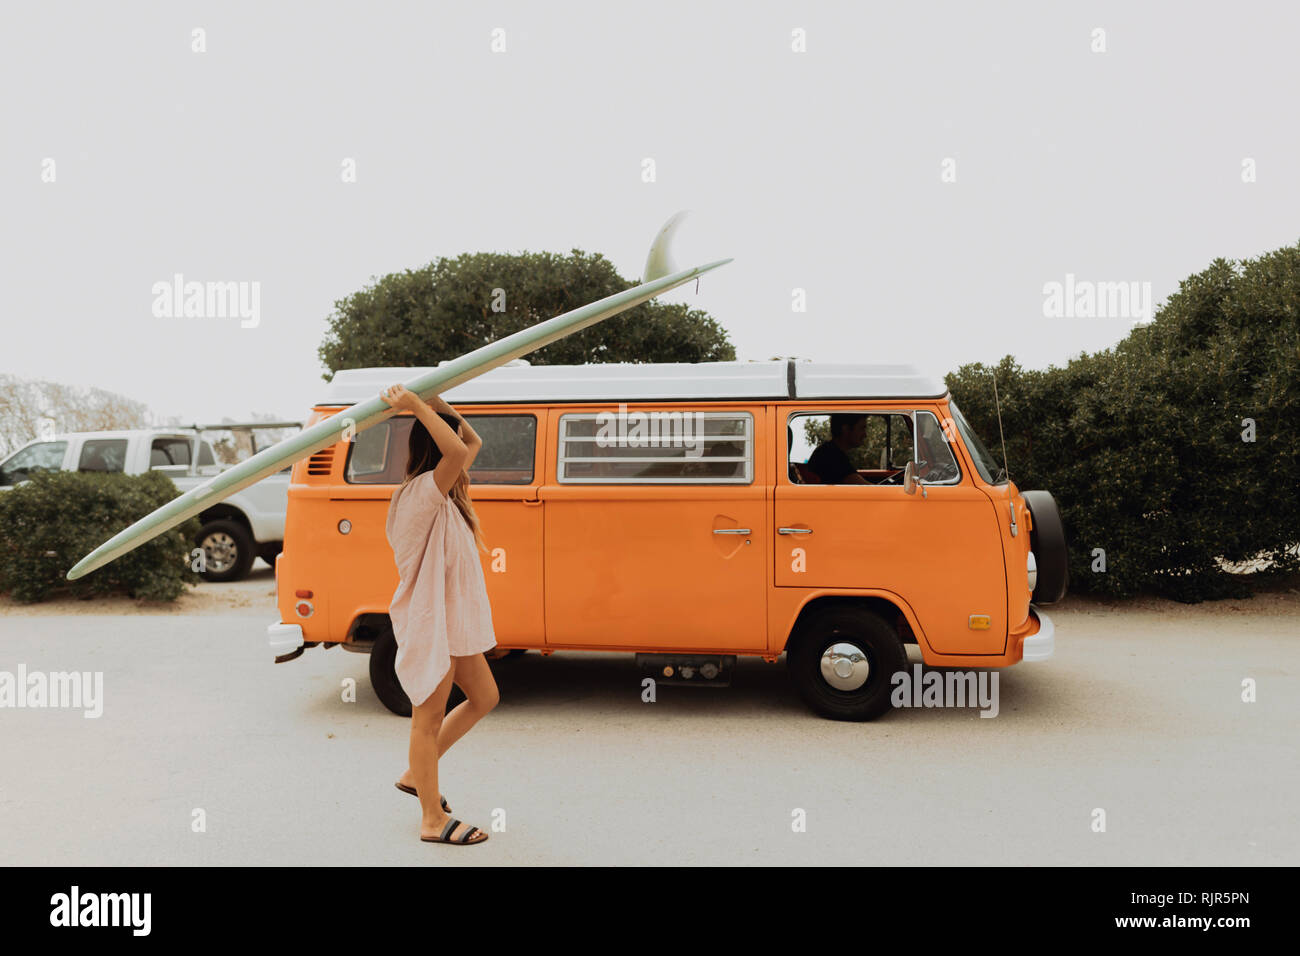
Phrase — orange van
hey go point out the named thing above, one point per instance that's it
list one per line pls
(669, 510)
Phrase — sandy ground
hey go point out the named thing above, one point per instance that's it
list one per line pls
(1139, 714)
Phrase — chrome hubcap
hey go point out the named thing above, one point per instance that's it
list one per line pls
(219, 551)
(845, 666)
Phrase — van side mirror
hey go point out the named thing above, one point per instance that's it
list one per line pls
(911, 482)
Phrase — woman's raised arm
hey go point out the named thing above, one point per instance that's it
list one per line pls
(454, 451)
(471, 438)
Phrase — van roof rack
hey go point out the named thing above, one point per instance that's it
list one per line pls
(221, 425)
(637, 381)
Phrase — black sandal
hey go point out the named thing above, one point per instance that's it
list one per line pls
(466, 838)
(411, 790)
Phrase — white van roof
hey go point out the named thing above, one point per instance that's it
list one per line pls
(629, 381)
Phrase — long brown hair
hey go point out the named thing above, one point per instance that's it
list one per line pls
(424, 455)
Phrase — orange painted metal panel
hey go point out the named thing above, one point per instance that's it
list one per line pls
(634, 566)
(639, 567)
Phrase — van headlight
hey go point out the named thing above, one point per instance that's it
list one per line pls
(1031, 566)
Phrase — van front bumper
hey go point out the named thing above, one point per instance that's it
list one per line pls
(1039, 647)
(284, 638)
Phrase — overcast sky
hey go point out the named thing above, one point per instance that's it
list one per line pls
(820, 170)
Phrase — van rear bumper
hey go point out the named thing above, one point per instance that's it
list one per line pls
(1040, 646)
(284, 638)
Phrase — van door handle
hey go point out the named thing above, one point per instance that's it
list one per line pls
(731, 531)
(531, 502)
(794, 530)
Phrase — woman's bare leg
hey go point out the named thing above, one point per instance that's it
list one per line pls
(475, 679)
(426, 721)
(473, 674)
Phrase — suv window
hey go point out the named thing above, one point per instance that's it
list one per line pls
(169, 451)
(377, 456)
(45, 456)
(657, 447)
(103, 454)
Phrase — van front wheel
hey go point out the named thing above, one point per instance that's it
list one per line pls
(842, 662)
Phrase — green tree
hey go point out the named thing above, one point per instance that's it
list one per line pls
(453, 306)
(1145, 445)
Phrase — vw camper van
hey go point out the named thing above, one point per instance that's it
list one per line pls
(670, 511)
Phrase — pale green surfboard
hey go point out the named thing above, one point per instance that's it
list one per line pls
(364, 414)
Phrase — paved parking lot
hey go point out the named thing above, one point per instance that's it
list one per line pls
(1139, 714)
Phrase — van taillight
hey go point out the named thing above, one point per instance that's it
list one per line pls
(302, 593)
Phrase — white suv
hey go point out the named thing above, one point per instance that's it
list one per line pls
(236, 530)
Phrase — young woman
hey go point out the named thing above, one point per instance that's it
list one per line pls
(441, 617)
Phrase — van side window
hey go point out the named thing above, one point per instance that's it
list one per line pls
(876, 446)
(377, 456)
(936, 464)
(103, 454)
(656, 447)
(509, 449)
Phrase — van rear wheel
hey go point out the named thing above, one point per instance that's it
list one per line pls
(383, 673)
(842, 661)
(383, 676)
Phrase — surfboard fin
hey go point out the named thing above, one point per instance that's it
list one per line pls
(659, 262)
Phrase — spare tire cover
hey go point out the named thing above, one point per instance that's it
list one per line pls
(1047, 541)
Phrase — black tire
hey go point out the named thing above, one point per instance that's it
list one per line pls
(383, 673)
(269, 552)
(383, 676)
(228, 550)
(871, 636)
(1047, 541)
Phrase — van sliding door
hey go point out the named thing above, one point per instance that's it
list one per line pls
(656, 529)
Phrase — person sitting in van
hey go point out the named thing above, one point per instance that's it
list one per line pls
(830, 460)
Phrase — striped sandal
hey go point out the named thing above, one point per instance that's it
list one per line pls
(412, 792)
(465, 839)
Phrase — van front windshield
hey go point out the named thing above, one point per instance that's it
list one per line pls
(985, 463)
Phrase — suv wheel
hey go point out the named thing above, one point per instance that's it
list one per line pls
(227, 550)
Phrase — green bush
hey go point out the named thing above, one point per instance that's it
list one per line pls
(50, 523)
(1142, 445)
